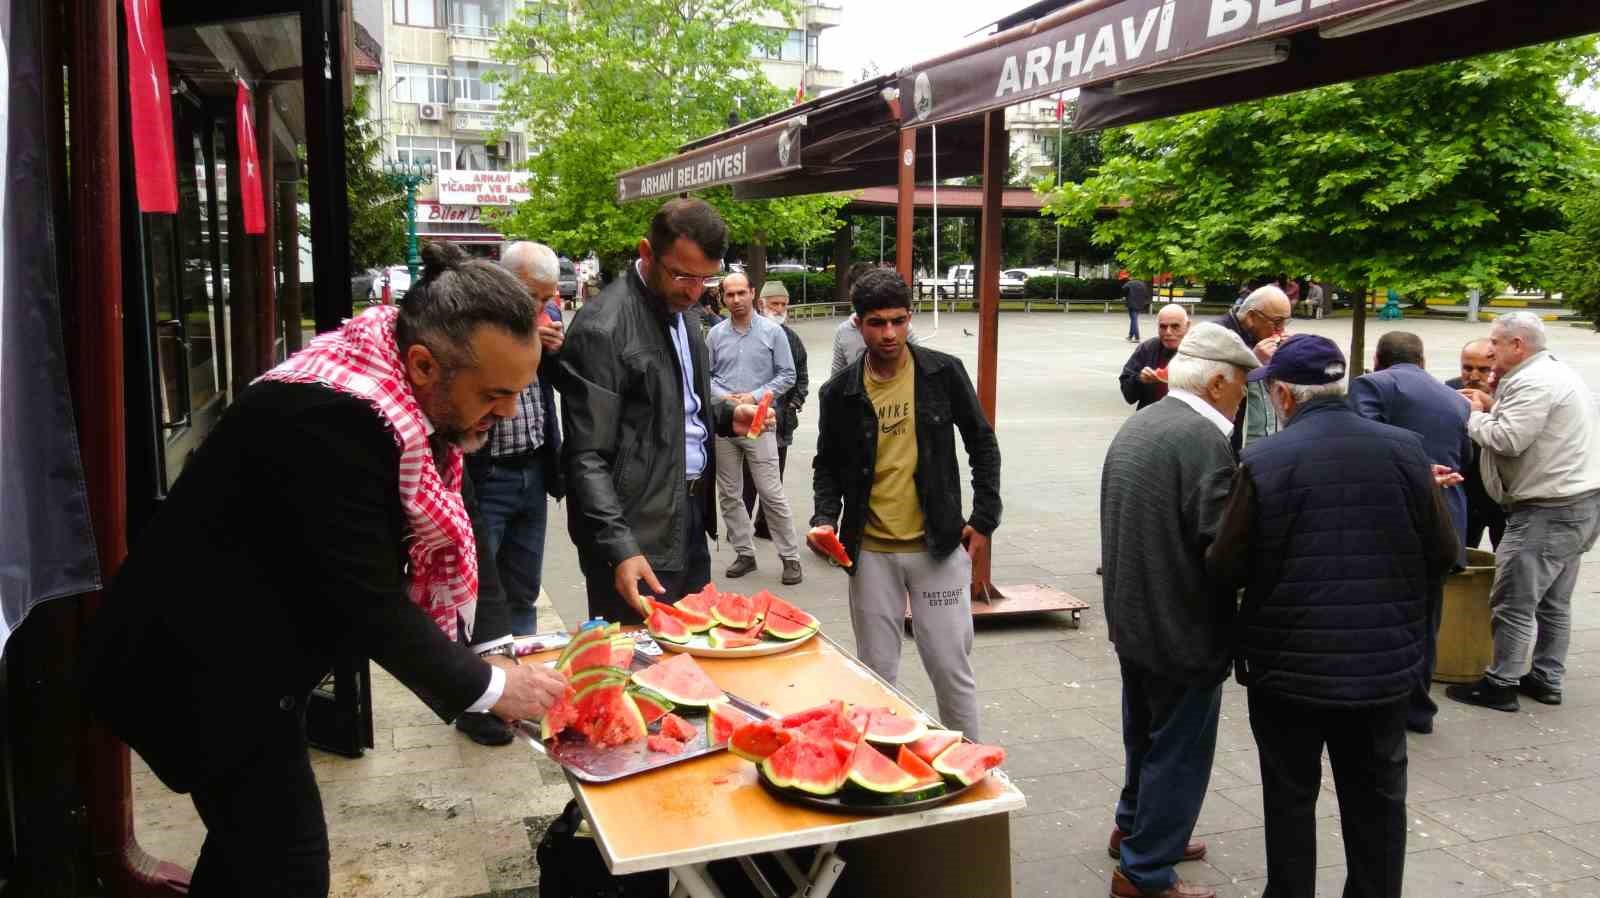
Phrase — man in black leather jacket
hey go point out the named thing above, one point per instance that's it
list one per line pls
(639, 420)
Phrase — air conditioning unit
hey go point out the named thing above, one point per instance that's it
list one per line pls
(431, 112)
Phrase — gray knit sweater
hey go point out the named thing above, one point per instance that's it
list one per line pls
(1165, 480)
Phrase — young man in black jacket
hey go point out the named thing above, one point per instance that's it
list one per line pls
(886, 462)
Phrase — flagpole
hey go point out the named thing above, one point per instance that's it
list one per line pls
(935, 131)
(1055, 276)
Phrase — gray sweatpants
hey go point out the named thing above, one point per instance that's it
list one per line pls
(1536, 568)
(762, 453)
(941, 615)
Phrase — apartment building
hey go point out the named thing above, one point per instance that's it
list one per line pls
(796, 63)
(1034, 132)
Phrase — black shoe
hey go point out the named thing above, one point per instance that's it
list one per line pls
(1539, 690)
(742, 565)
(485, 729)
(791, 572)
(1485, 694)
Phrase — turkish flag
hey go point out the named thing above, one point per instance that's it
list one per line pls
(155, 163)
(250, 196)
(1061, 106)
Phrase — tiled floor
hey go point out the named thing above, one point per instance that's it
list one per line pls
(1500, 804)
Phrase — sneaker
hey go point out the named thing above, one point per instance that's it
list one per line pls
(1485, 694)
(485, 729)
(742, 565)
(1538, 690)
(791, 572)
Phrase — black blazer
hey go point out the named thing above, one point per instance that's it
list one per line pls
(280, 545)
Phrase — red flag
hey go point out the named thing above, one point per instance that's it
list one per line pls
(255, 215)
(1061, 106)
(800, 94)
(155, 163)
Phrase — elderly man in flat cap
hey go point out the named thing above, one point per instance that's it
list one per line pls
(1162, 491)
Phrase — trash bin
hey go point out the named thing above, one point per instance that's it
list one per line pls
(1466, 643)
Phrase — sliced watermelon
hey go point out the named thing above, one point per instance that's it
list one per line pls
(561, 715)
(653, 705)
(622, 651)
(968, 762)
(702, 601)
(811, 765)
(667, 628)
(934, 743)
(785, 621)
(724, 638)
(758, 608)
(608, 716)
(597, 653)
(734, 610)
(889, 728)
(824, 722)
(664, 744)
(725, 720)
(759, 422)
(827, 540)
(681, 681)
(872, 771)
(757, 741)
(594, 675)
(676, 727)
(584, 639)
(918, 768)
(696, 621)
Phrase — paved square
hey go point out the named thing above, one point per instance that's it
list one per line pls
(1499, 803)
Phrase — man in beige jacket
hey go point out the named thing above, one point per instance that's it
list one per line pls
(1541, 461)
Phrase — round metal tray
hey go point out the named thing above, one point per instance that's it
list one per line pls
(697, 646)
(840, 803)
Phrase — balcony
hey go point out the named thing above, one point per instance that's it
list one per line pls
(820, 15)
(472, 41)
(462, 104)
(818, 80)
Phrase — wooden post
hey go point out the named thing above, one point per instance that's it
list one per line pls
(996, 154)
(289, 226)
(266, 245)
(842, 241)
(1358, 334)
(906, 210)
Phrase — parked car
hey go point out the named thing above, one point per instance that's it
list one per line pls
(567, 281)
(786, 268)
(960, 282)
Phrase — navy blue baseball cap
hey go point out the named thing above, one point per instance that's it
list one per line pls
(1304, 359)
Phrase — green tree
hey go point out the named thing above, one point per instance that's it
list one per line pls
(1424, 180)
(602, 86)
(377, 208)
(1569, 256)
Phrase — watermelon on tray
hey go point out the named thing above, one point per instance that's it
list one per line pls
(968, 762)
(664, 744)
(885, 727)
(696, 621)
(735, 611)
(607, 715)
(667, 627)
(918, 768)
(676, 727)
(934, 743)
(724, 638)
(755, 742)
(653, 705)
(817, 766)
(871, 770)
(701, 602)
(590, 676)
(681, 681)
(784, 621)
(724, 721)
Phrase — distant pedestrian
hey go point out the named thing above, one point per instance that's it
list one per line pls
(1136, 297)
(1142, 377)
(1541, 460)
(1332, 628)
(1483, 513)
(1315, 297)
(1162, 490)
(774, 305)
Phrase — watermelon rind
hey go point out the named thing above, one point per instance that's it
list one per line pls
(723, 638)
(779, 626)
(966, 763)
(919, 769)
(700, 602)
(666, 628)
(652, 704)
(888, 728)
(680, 681)
(583, 638)
(873, 771)
(696, 621)
(734, 611)
(724, 721)
(597, 653)
(810, 765)
(591, 675)
(755, 742)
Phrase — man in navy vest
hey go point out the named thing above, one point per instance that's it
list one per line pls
(1400, 392)
(1336, 528)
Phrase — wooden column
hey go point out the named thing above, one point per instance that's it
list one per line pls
(842, 241)
(996, 154)
(289, 307)
(266, 245)
(905, 212)
(1358, 333)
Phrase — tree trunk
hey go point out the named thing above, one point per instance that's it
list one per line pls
(842, 240)
(755, 263)
(1358, 334)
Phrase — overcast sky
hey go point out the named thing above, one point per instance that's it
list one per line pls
(897, 33)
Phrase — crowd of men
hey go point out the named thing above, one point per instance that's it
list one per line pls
(1259, 515)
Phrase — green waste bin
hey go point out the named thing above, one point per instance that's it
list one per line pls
(1466, 642)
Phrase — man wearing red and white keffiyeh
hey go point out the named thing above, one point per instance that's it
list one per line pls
(323, 516)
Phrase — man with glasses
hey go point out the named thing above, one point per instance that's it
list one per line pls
(1259, 321)
(1143, 378)
(639, 420)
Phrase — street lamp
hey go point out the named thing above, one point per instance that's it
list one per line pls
(410, 175)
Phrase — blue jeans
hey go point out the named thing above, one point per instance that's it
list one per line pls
(512, 504)
(1169, 732)
(1133, 322)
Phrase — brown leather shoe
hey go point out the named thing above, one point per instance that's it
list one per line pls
(1122, 888)
(1194, 851)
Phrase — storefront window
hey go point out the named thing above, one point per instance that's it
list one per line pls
(415, 83)
(434, 150)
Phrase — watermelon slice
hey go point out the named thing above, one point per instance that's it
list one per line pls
(824, 722)
(592, 675)
(934, 743)
(652, 704)
(622, 651)
(667, 628)
(1161, 375)
(885, 727)
(561, 715)
(828, 541)
(755, 742)
(680, 681)
(872, 771)
(664, 744)
(724, 638)
(725, 720)
(918, 768)
(759, 422)
(608, 716)
(811, 765)
(675, 727)
(734, 610)
(968, 762)
(696, 621)
(584, 639)
(702, 601)
(785, 621)
(597, 653)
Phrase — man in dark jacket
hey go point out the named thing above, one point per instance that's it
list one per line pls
(886, 463)
(1136, 296)
(775, 305)
(1162, 489)
(1141, 377)
(1400, 392)
(639, 419)
(1337, 530)
(320, 517)
(1483, 513)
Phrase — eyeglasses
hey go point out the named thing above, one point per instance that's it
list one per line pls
(687, 280)
(1277, 322)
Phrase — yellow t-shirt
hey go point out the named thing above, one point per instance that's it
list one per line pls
(894, 512)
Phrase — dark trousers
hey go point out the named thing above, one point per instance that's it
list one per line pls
(759, 518)
(513, 508)
(1485, 516)
(1169, 734)
(265, 835)
(1419, 714)
(602, 592)
(1367, 748)
(1133, 321)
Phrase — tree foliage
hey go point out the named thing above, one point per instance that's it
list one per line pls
(1569, 255)
(377, 207)
(1428, 179)
(621, 83)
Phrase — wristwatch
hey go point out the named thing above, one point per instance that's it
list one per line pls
(508, 650)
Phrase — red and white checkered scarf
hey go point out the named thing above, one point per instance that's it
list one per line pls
(362, 359)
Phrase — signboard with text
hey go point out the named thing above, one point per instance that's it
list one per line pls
(482, 188)
(759, 154)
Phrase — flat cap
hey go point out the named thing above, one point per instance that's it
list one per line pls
(774, 287)
(1216, 343)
